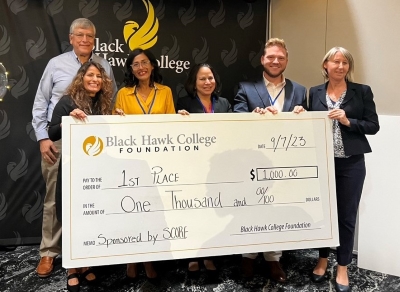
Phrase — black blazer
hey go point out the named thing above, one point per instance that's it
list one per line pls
(359, 106)
(192, 105)
(255, 94)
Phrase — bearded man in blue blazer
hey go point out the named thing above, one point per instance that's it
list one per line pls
(272, 93)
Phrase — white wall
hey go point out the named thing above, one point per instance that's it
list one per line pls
(379, 216)
(369, 29)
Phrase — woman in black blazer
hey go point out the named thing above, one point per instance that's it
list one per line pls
(203, 86)
(352, 110)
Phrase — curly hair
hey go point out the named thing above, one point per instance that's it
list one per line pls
(77, 91)
(130, 80)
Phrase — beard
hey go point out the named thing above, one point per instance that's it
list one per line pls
(272, 75)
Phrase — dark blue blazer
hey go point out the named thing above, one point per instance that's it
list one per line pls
(193, 105)
(359, 106)
(255, 94)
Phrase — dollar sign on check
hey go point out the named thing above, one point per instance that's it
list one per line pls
(252, 174)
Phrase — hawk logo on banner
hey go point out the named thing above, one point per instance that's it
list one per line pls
(18, 169)
(144, 36)
(93, 146)
(3, 206)
(4, 41)
(31, 213)
(4, 125)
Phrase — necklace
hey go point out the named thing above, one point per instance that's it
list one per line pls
(144, 94)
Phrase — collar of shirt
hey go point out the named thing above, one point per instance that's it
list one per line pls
(134, 88)
(271, 85)
(76, 57)
(274, 91)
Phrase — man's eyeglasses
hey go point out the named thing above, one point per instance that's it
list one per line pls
(143, 63)
(80, 36)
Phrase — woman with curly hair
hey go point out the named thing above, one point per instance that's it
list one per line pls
(90, 93)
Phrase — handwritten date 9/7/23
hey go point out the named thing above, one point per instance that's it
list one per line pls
(285, 142)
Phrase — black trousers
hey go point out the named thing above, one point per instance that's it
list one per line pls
(350, 175)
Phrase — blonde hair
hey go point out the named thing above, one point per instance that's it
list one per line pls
(331, 53)
(276, 42)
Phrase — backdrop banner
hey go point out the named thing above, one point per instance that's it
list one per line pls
(230, 35)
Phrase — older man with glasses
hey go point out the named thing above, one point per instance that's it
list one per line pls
(56, 78)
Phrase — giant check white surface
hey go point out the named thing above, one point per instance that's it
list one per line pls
(151, 187)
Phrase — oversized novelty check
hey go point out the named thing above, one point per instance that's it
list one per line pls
(151, 187)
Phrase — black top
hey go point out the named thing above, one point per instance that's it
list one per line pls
(193, 105)
(359, 106)
(64, 106)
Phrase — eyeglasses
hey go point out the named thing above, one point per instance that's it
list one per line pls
(80, 36)
(143, 63)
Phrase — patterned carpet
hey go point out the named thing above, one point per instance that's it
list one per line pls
(17, 274)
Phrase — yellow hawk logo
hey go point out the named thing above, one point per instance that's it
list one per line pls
(145, 36)
(93, 146)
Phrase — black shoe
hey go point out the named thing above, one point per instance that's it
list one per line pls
(154, 281)
(129, 280)
(247, 267)
(342, 288)
(85, 274)
(319, 278)
(193, 274)
(275, 271)
(73, 288)
(212, 276)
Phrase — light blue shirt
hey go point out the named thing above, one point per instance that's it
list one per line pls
(55, 80)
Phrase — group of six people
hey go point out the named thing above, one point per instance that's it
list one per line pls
(79, 83)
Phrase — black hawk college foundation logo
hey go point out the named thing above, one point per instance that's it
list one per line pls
(93, 146)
